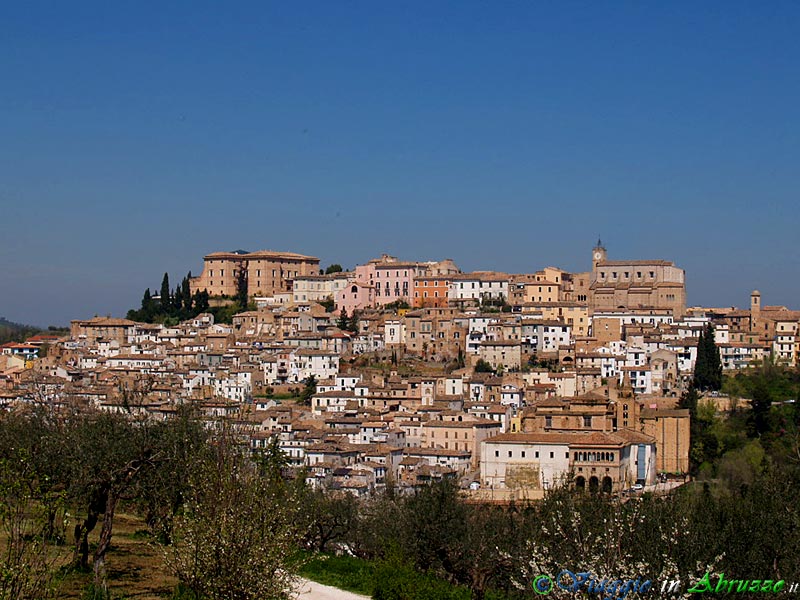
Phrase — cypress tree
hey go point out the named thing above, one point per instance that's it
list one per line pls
(200, 301)
(165, 294)
(147, 300)
(353, 325)
(708, 366)
(689, 400)
(149, 307)
(241, 288)
(186, 292)
(713, 360)
(701, 364)
(177, 298)
(343, 322)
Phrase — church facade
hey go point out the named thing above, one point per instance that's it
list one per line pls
(634, 284)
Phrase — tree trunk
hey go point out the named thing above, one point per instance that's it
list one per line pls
(49, 532)
(97, 504)
(478, 587)
(82, 531)
(104, 542)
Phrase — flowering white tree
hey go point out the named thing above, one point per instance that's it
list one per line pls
(237, 535)
(635, 541)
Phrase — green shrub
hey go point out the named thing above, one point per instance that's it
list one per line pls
(393, 582)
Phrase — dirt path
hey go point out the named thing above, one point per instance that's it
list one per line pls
(311, 590)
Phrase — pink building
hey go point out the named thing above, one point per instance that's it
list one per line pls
(355, 296)
(393, 280)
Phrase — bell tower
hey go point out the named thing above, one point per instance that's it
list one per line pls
(755, 309)
(599, 254)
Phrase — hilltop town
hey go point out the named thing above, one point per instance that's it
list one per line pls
(412, 372)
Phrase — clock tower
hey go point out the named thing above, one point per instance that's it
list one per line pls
(599, 254)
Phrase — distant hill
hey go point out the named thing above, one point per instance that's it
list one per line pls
(15, 332)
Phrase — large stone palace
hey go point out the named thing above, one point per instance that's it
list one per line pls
(268, 272)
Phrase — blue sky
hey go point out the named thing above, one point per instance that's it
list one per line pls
(138, 136)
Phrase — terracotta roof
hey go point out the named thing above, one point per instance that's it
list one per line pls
(260, 254)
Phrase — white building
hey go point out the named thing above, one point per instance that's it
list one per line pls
(318, 288)
(526, 460)
(479, 286)
(318, 363)
(394, 332)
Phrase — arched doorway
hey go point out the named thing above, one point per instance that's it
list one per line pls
(607, 484)
(580, 482)
(594, 484)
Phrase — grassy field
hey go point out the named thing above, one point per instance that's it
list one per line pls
(343, 572)
(134, 564)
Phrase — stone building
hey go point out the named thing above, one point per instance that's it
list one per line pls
(633, 284)
(268, 272)
(91, 331)
(670, 428)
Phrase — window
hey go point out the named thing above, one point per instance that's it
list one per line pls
(587, 421)
(537, 454)
(522, 454)
(552, 455)
(509, 454)
(497, 453)
(548, 421)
